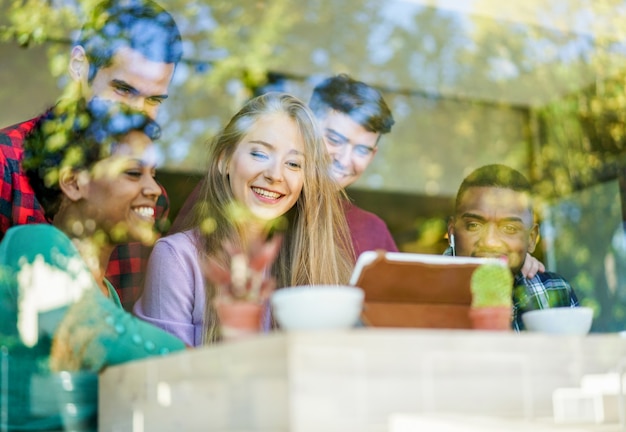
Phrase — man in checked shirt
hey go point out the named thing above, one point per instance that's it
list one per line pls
(493, 217)
(128, 57)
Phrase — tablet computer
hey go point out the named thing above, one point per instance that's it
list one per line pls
(415, 290)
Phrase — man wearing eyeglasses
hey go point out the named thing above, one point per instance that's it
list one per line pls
(353, 117)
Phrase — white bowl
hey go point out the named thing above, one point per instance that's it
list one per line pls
(560, 320)
(317, 307)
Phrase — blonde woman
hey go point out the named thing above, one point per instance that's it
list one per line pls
(269, 161)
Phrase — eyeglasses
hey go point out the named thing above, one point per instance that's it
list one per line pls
(339, 141)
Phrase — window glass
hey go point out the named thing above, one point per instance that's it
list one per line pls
(537, 85)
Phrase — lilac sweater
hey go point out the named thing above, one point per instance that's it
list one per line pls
(174, 294)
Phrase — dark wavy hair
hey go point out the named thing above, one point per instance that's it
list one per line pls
(361, 102)
(141, 25)
(77, 136)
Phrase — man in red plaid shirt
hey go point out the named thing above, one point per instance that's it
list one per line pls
(128, 58)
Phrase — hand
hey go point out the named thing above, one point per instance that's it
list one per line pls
(532, 266)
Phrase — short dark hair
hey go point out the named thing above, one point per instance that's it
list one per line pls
(141, 25)
(494, 175)
(363, 103)
(77, 135)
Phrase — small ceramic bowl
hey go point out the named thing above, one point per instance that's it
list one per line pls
(561, 320)
(317, 307)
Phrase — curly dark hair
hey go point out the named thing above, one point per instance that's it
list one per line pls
(77, 136)
(494, 175)
(362, 103)
(141, 25)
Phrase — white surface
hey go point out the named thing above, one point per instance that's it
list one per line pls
(576, 405)
(451, 423)
(317, 307)
(561, 320)
(595, 401)
(602, 383)
(354, 380)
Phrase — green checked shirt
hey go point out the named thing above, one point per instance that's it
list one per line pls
(543, 291)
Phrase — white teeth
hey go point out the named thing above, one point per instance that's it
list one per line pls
(145, 211)
(266, 193)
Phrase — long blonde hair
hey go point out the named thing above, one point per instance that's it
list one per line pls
(316, 247)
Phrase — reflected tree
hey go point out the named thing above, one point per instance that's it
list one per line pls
(466, 88)
(579, 161)
(227, 50)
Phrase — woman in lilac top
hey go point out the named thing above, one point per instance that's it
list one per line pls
(269, 162)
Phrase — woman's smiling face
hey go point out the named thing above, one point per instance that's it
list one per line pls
(266, 171)
(122, 191)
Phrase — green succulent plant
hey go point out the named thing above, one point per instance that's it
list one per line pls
(492, 285)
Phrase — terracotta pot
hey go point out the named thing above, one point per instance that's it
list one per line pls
(491, 318)
(239, 319)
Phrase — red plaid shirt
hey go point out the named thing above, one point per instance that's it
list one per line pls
(19, 206)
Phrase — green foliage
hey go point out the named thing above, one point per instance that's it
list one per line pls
(574, 136)
(492, 285)
(33, 22)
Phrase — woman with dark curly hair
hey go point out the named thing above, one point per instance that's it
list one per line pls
(92, 169)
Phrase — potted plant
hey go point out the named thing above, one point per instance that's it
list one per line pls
(244, 288)
(492, 297)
